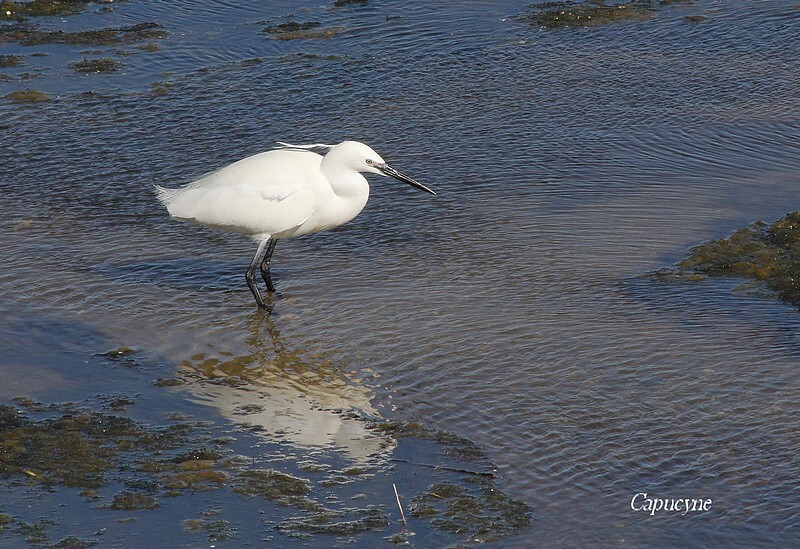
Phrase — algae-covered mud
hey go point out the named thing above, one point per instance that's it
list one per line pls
(35, 26)
(24, 96)
(766, 254)
(107, 474)
(493, 354)
(88, 66)
(553, 15)
(114, 465)
(20, 10)
(293, 30)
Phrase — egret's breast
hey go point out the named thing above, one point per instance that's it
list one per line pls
(330, 212)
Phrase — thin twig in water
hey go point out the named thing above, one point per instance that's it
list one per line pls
(402, 514)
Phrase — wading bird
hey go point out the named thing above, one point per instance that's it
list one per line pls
(282, 193)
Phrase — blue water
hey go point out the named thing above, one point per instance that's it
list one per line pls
(509, 308)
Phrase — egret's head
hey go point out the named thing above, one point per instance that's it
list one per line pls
(361, 158)
(358, 156)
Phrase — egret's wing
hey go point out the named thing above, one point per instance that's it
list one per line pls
(267, 193)
(245, 209)
(185, 199)
(277, 193)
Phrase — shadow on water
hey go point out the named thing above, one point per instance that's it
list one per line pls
(268, 446)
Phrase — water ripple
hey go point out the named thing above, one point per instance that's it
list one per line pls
(508, 309)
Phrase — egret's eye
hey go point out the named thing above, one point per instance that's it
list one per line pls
(369, 162)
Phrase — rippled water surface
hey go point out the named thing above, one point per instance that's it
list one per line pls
(509, 309)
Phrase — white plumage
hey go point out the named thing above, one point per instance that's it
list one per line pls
(281, 193)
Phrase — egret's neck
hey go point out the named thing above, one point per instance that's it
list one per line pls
(345, 182)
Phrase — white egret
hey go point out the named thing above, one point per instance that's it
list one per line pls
(281, 193)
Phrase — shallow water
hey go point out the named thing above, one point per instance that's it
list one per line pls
(508, 309)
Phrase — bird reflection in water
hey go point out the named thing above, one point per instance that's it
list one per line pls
(288, 394)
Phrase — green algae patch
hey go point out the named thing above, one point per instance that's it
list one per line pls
(128, 34)
(358, 471)
(168, 382)
(767, 254)
(452, 445)
(198, 479)
(326, 523)
(276, 486)
(248, 409)
(311, 467)
(119, 353)
(129, 501)
(69, 451)
(73, 542)
(39, 8)
(197, 455)
(747, 253)
(216, 530)
(150, 47)
(552, 15)
(694, 18)
(10, 61)
(469, 502)
(117, 404)
(197, 469)
(29, 403)
(290, 27)
(27, 96)
(475, 506)
(81, 449)
(292, 30)
(35, 533)
(123, 465)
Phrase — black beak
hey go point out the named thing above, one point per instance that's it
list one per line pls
(388, 170)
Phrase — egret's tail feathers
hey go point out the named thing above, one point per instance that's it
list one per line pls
(164, 194)
(312, 146)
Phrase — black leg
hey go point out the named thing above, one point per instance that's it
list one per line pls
(250, 274)
(265, 266)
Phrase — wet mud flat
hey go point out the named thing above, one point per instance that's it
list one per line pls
(117, 458)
